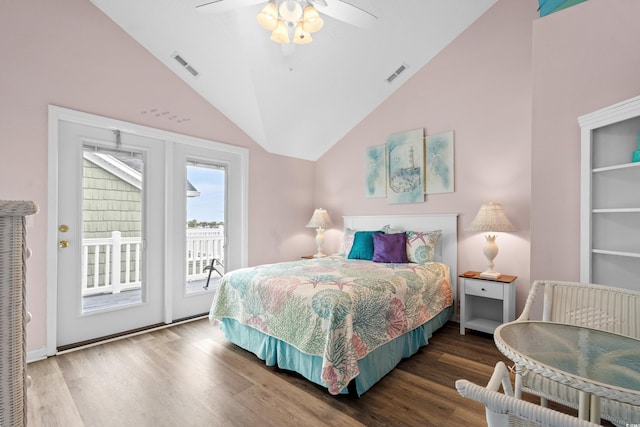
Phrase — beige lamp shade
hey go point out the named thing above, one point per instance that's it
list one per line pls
(320, 219)
(491, 217)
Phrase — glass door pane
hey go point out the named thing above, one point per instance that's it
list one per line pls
(205, 235)
(112, 212)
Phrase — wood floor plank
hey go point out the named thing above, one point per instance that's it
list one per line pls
(190, 375)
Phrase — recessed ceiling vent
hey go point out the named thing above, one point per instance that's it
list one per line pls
(396, 73)
(185, 64)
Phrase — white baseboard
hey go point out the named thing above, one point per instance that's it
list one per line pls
(35, 355)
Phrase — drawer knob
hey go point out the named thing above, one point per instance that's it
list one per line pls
(483, 289)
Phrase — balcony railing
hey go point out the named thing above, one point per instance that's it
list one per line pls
(113, 264)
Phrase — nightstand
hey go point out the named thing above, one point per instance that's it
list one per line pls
(486, 303)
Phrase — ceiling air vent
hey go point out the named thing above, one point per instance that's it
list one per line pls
(396, 73)
(185, 64)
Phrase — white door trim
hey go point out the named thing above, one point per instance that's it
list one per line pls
(57, 114)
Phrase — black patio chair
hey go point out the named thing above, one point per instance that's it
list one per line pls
(216, 265)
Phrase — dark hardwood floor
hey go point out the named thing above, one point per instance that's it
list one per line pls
(190, 375)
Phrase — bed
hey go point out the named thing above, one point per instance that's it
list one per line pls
(344, 323)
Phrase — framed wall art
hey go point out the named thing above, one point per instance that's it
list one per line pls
(374, 171)
(405, 167)
(439, 165)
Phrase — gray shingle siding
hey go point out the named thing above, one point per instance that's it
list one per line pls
(110, 204)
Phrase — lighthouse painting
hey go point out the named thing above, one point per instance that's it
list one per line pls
(405, 167)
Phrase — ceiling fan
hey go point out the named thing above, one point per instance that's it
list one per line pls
(290, 11)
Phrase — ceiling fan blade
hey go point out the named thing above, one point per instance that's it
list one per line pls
(217, 6)
(346, 12)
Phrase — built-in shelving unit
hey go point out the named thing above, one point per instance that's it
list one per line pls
(610, 196)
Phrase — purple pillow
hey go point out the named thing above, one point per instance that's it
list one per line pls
(390, 248)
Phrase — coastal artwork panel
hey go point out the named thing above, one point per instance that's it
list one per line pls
(375, 177)
(405, 167)
(439, 168)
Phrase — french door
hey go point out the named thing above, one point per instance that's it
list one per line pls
(136, 218)
(110, 239)
(199, 227)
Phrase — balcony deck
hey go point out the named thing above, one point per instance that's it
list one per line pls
(108, 300)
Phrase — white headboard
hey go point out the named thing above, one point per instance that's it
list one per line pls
(448, 223)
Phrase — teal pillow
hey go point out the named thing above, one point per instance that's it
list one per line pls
(362, 247)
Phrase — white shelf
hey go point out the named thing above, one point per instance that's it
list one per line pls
(617, 210)
(616, 253)
(483, 325)
(617, 167)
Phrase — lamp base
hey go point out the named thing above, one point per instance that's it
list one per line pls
(490, 275)
(319, 255)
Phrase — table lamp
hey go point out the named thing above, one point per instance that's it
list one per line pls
(319, 221)
(490, 218)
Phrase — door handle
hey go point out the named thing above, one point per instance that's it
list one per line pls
(63, 243)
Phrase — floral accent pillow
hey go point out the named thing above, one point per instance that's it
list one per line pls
(421, 245)
(347, 241)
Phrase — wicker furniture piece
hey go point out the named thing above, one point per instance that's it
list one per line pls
(597, 363)
(506, 410)
(13, 316)
(601, 307)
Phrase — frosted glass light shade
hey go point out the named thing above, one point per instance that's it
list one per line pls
(300, 36)
(268, 17)
(312, 21)
(281, 33)
(290, 11)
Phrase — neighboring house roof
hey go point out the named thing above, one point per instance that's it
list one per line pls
(191, 190)
(126, 167)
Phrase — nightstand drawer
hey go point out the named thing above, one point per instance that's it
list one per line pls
(483, 288)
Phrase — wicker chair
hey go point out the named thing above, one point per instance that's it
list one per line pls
(506, 410)
(13, 315)
(595, 306)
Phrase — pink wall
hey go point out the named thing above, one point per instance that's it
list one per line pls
(480, 87)
(584, 58)
(511, 87)
(69, 54)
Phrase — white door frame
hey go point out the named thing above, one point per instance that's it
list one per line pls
(57, 114)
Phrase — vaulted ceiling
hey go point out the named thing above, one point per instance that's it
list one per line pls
(295, 100)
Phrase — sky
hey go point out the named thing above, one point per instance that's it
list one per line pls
(209, 206)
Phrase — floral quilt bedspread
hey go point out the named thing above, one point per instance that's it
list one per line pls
(336, 308)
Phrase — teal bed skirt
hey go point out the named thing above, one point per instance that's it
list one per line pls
(373, 366)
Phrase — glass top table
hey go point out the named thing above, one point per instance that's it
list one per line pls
(598, 363)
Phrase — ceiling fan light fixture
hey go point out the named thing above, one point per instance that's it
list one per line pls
(268, 17)
(312, 21)
(290, 11)
(300, 36)
(281, 33)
